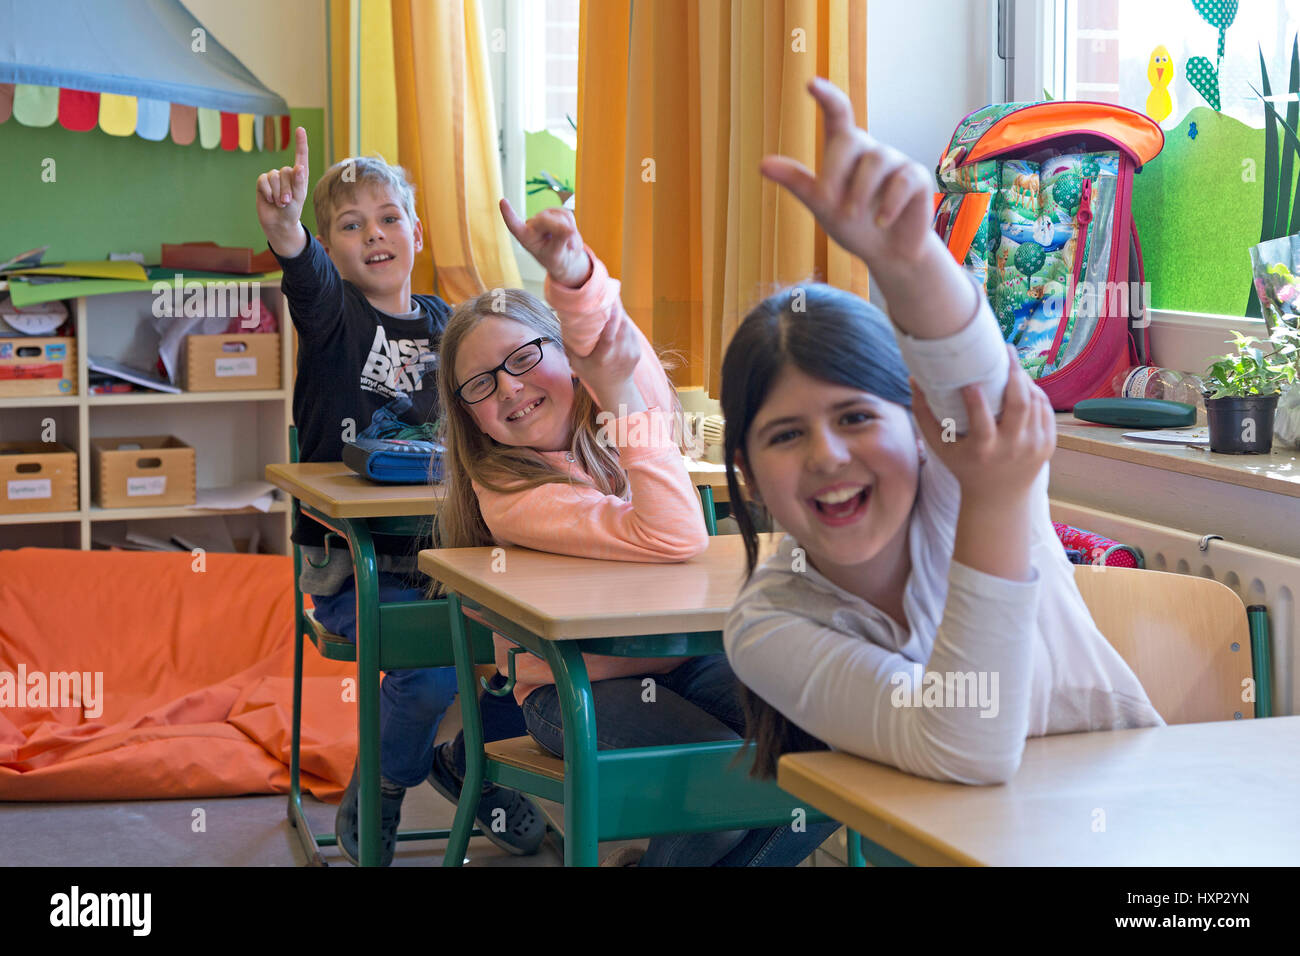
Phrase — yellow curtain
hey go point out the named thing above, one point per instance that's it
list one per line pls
(409, 80)
(339, 118)
(678, 101)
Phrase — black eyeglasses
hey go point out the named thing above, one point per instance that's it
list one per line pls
(484, 384)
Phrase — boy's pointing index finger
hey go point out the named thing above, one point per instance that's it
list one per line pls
(300, 158)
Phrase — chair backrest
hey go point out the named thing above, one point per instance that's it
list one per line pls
(1178, 633)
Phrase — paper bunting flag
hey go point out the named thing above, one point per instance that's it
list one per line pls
(78, 110)
(117, 114)
(152, 118)
(184, 123)
(36, 105)
(209, 128)
(229, 131)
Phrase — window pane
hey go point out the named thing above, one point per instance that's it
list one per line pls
(1203, 202)
(551, 93)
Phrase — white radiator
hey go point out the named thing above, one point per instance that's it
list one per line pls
(1258, 577)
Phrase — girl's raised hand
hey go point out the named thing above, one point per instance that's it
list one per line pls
(869, 197)
(552, 238)
(608, 370)
(997, 460)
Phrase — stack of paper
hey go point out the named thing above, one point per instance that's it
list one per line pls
(248, 494)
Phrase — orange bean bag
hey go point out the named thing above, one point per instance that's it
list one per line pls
(186, 679)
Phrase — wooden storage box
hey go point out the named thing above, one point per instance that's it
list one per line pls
(35, 365)
(37, 477)
(230, 363)
(141, 472)
(210, 257)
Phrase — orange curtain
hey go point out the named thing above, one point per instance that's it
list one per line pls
(409, 80)
(678, 101)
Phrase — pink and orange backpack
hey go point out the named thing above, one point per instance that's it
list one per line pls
(1036, 201)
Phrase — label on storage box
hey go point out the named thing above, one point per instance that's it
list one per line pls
(232, 367)
(153, 485)
(11, 373)
(23, 489)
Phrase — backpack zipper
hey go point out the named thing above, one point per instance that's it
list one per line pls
(1082, 219)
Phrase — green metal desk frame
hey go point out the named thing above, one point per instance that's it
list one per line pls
(390, 636)
(615, 794)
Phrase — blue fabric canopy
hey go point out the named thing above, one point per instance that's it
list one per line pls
(143, 48)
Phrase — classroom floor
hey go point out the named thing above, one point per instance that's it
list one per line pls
(241, 831)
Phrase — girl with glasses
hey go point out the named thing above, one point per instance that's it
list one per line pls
(559, 437)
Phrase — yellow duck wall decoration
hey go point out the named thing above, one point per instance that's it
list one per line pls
(1160, 71)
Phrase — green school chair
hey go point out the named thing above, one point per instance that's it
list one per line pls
(414, 634)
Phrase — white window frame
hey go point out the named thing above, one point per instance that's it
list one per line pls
(509, 73)
(1182, 340)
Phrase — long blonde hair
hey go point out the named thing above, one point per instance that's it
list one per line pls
(474, 456)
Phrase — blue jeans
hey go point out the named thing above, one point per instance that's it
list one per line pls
(694, 703)
(412, 702)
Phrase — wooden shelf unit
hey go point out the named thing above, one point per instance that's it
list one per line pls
(235, 434)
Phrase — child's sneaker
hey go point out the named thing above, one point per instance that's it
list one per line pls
(624, 856)
(525, 828)
(345, 821)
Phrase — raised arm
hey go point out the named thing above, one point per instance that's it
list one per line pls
(877, 204)
(281, 194)
(862, 698)
(662, 521)
(598, 334)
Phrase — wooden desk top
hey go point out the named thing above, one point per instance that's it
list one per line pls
(561, 598)
(1215, 794)
(1278, 472)
(334, 489)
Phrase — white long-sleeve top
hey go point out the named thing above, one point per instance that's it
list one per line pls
(850, 675)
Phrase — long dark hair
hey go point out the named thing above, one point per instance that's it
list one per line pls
(829, 335)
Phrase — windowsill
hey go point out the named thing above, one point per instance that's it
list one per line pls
(1277, 472)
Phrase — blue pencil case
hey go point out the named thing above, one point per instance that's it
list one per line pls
(395, 460)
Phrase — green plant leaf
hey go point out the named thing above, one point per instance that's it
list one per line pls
(1285, 177)
(1217, 13)
(1204, 78)
(1267, 226)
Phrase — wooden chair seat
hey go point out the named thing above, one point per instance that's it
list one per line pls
(525, 753)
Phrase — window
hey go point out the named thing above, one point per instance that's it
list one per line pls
(1194, 66)
(535, 83)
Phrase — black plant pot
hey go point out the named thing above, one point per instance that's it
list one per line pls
(1229, 417)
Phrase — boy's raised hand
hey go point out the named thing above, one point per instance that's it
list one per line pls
(869, 197)
(281, 194)
(552, 238)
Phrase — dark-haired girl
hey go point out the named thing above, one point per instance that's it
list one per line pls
(920, 610)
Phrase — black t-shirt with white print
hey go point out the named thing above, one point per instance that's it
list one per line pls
(358, 363)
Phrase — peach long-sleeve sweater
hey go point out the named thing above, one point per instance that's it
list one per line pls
(661, 521)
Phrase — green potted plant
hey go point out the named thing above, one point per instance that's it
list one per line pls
(1242, 389)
